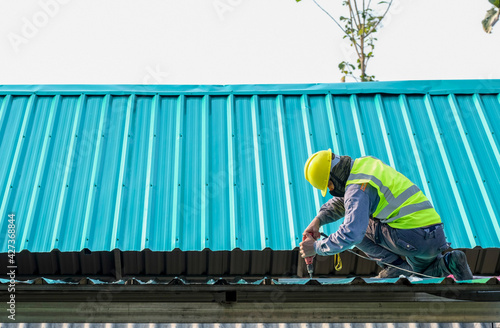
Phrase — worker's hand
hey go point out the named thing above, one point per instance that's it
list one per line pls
(313, 229)
(307, 247)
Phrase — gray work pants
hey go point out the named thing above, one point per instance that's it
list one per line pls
(422, 247)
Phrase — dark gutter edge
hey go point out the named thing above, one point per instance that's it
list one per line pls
(103, 310)
(250, 288)
(434, 87)
(251, 294)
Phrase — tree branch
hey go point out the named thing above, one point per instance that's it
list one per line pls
(352, 37)
(367, 59)
(364, 15)
(375, 26)
(351, 13)
(357, 14)
(326, 12)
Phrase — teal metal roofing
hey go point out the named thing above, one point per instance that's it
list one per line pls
(221, 167)
(284, 281)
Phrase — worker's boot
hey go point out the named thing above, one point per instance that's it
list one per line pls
(456, 264)
(392, 272)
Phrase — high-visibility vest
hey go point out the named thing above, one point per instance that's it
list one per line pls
(402, 204)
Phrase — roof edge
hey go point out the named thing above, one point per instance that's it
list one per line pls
(435, 87)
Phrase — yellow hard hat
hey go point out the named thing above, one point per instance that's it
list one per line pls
(317, 170)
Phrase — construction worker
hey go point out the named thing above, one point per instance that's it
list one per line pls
(386, 216)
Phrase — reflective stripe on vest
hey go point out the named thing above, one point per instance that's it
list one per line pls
(405, 205)
(393, 202)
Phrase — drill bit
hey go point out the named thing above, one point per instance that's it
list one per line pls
(309, 262)
(310, 270)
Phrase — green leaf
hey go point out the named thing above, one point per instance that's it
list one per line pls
(495, 3)
(490, 19)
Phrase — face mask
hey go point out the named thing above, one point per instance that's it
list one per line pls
(339, 175)
(336, 193)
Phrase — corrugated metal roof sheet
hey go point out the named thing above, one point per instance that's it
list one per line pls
(283, 281)
(198, 265)
(221, 167)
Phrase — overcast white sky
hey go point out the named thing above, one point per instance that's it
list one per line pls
(234, 42)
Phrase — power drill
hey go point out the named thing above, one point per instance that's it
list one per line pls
(309, 262)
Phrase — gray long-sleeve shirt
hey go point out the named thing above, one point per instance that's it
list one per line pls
(356, 206)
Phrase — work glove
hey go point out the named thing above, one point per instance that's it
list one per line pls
(307, 247)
